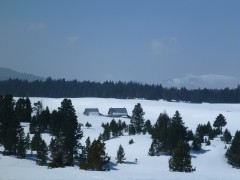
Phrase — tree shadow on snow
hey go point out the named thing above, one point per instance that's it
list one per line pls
(129, 162)
(202, 151)
(112, 166)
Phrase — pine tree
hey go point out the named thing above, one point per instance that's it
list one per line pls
(88, 125)
(181, 159)
(97, 158)
(27, 141)
(233, 152)
(57, 152)
(9, 125)
(114, 128)
(42, 153)
(36, 141)
(227, 136)
(196, 144)
(177, 131)
(220, 122)
(137, 119)
(21, 144)
(160, 132)
(71, 131)
(106, 132)
(148, 127)
(120, 155)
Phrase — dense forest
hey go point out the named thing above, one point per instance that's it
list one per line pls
(121, 90)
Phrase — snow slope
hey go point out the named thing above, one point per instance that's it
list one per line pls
(210, 162)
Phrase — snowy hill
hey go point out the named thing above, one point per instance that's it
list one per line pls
(210, 163)
(209, 81)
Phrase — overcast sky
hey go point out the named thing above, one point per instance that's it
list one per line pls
(147, 41)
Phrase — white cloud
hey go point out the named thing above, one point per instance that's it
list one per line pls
(37, 26)
(168, 47)
(157, 47)
(72, 40)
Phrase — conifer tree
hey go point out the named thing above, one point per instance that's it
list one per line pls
(71, 131)
(120, 155)
(21, 144)
(196, 144)
(220, 122)
(36, 141)
(114, 128)
(56, 148)
(177, 131)
(42, 153)
(137, 119)
(233, 152)
(106, 132)
(160, 133)
(97, 159)
(27, 141)
(227, 136)
(9, 125)
(181, 159)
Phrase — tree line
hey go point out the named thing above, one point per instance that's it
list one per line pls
(121, 90)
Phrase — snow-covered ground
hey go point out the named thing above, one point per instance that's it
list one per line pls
(210, 163)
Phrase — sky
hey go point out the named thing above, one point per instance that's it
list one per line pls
(147, 41)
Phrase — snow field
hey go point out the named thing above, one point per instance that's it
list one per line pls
(210, 163)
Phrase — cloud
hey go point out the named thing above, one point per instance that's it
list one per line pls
(72, 40)
(157, 47)
(37, 26)
(168, 47)
(212, 81)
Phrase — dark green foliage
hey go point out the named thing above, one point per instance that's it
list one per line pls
(155, 148)
(120, 155)
(114, 128)
(190, 135)
(181, 159)
(36, 141)
(9, 125)
(208, 142)
(106, 132)
(131, 141)
(28, 141)
(137, 120)
(220, 122)
(97, 159)
(55, 123)
(56, 148)
(148, 127)
(166, 133)
(121, 90)
(233, 152)
(177, 131)
(71, 131)
(196, 144)
(21, 144)
(160, 133)
(131, 130)
(42, 153)
(88, 125)
(23, 109)
(41, 119)
(227, 136)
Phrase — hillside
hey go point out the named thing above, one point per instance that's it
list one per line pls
(210, 162)
(6, 73)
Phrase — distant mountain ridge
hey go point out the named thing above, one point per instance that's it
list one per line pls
(209, 81)
(6, 73)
